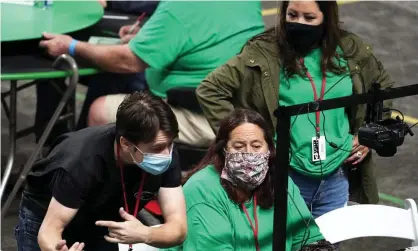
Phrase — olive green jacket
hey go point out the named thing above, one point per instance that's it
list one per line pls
(251, 80)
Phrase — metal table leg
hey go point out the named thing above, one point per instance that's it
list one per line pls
(70, 89)
(12, 137)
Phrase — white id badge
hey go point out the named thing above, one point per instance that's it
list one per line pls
(318, 149)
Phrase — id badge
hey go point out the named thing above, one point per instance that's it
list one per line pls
(318, 149)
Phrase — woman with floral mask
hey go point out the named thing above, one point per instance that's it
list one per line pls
(306, 58)
(230, 194)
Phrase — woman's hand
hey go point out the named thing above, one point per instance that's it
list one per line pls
(358, 153)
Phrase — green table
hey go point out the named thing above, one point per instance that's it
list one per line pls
(25, 24)
(22, 22)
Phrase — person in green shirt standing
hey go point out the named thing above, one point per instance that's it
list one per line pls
(177, 47)
(306, 59)
(230, 194)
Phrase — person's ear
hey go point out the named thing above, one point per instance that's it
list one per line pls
(124, 144)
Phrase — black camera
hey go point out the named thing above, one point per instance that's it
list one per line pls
(384, 136)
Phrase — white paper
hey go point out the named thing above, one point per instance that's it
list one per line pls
(116, 17)
(104, 40)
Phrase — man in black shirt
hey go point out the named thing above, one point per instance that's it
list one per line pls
(84, 194)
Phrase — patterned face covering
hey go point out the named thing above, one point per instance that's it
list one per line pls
(245, 170)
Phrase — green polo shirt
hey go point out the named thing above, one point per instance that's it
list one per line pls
(216, 223)
(335, 123)
(183, 42)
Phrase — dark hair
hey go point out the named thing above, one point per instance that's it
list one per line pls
(330, 40)
(141, 115)
(215, 156)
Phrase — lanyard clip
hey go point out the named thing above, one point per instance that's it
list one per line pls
(130, 249)
(318, 132)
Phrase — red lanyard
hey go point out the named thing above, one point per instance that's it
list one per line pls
(324, 81)
(138, 195)
(254, 228)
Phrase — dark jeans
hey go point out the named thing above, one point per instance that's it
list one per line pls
(26, 234)
(98, 85)
(26, 231)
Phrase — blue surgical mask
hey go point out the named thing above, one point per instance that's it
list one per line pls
(154, 164)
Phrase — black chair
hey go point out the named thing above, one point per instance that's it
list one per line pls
(190, 156)
(185, 97)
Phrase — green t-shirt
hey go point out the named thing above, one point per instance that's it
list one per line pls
(217, 223)
(297, 90)
(183, 42)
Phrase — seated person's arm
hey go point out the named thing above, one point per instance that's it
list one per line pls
(173, 207)
(67, 197)
(153, 46)
(112, 58)
(215, 94)
(174, 230)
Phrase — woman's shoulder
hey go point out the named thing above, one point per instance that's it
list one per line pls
(205, 175)
(346, 34)
(204, 186)
(268, 36)
(354, 46)
(264, 42)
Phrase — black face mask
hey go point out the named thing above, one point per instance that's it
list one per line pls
(303, 37)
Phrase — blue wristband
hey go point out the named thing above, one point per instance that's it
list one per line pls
(71, 48)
